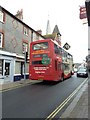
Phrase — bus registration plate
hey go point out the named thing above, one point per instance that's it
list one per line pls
(40, 79)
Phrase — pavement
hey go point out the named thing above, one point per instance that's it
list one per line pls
(13, 85)
(78, 108)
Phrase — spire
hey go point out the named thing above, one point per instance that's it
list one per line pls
(48, 29)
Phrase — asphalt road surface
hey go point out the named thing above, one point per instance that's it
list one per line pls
(37, 100)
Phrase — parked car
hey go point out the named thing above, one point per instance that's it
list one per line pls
(82, 72)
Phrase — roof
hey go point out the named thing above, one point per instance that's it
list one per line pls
(3, 9)
(50, 36)
(56, 30)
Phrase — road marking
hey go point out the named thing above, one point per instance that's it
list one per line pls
(57, 110)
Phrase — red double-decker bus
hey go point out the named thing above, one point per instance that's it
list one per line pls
(48, 61)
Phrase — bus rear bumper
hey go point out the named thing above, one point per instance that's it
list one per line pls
(45, 78)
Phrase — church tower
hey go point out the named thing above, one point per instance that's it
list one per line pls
(58, 34)
(48, 29)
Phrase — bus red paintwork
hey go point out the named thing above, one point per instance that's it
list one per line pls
(46, 61)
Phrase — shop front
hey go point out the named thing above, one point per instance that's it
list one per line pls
(7, 62)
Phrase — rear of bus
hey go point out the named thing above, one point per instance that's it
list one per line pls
(40, 67)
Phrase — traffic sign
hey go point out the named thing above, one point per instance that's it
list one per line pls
(66, 46)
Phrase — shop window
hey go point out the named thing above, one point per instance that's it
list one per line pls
(1, 67)
(17, 68)
(7, 68)
(22, 68)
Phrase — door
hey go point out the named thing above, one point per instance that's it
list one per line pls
(7, 70)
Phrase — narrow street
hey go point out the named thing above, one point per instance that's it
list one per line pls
(37, 100)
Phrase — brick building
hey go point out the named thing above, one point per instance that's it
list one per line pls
(15, 37)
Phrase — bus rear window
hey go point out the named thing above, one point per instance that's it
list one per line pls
(36, 62)
(40, 46)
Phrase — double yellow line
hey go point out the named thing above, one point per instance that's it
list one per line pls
(56, 111)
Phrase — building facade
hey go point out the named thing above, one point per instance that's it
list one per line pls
(15, 38)
(87, 5)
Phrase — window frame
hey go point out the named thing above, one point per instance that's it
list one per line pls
(1, 39)
(1, 67)
(25, 31)
(24, 43)
(40, 44)
(57, 50)
(2, 14)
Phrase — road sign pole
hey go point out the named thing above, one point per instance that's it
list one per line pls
(25, 65)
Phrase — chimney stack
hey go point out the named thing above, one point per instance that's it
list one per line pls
(19, 14)
(39, 31)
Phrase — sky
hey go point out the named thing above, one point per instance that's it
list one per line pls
(64, 13)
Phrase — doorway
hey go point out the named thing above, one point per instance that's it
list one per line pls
(7, 70)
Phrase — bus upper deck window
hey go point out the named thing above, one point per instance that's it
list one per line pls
(57, 49)
(40, 46)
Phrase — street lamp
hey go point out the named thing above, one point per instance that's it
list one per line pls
(25, 59)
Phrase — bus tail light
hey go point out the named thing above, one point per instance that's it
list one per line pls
(30, 62)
